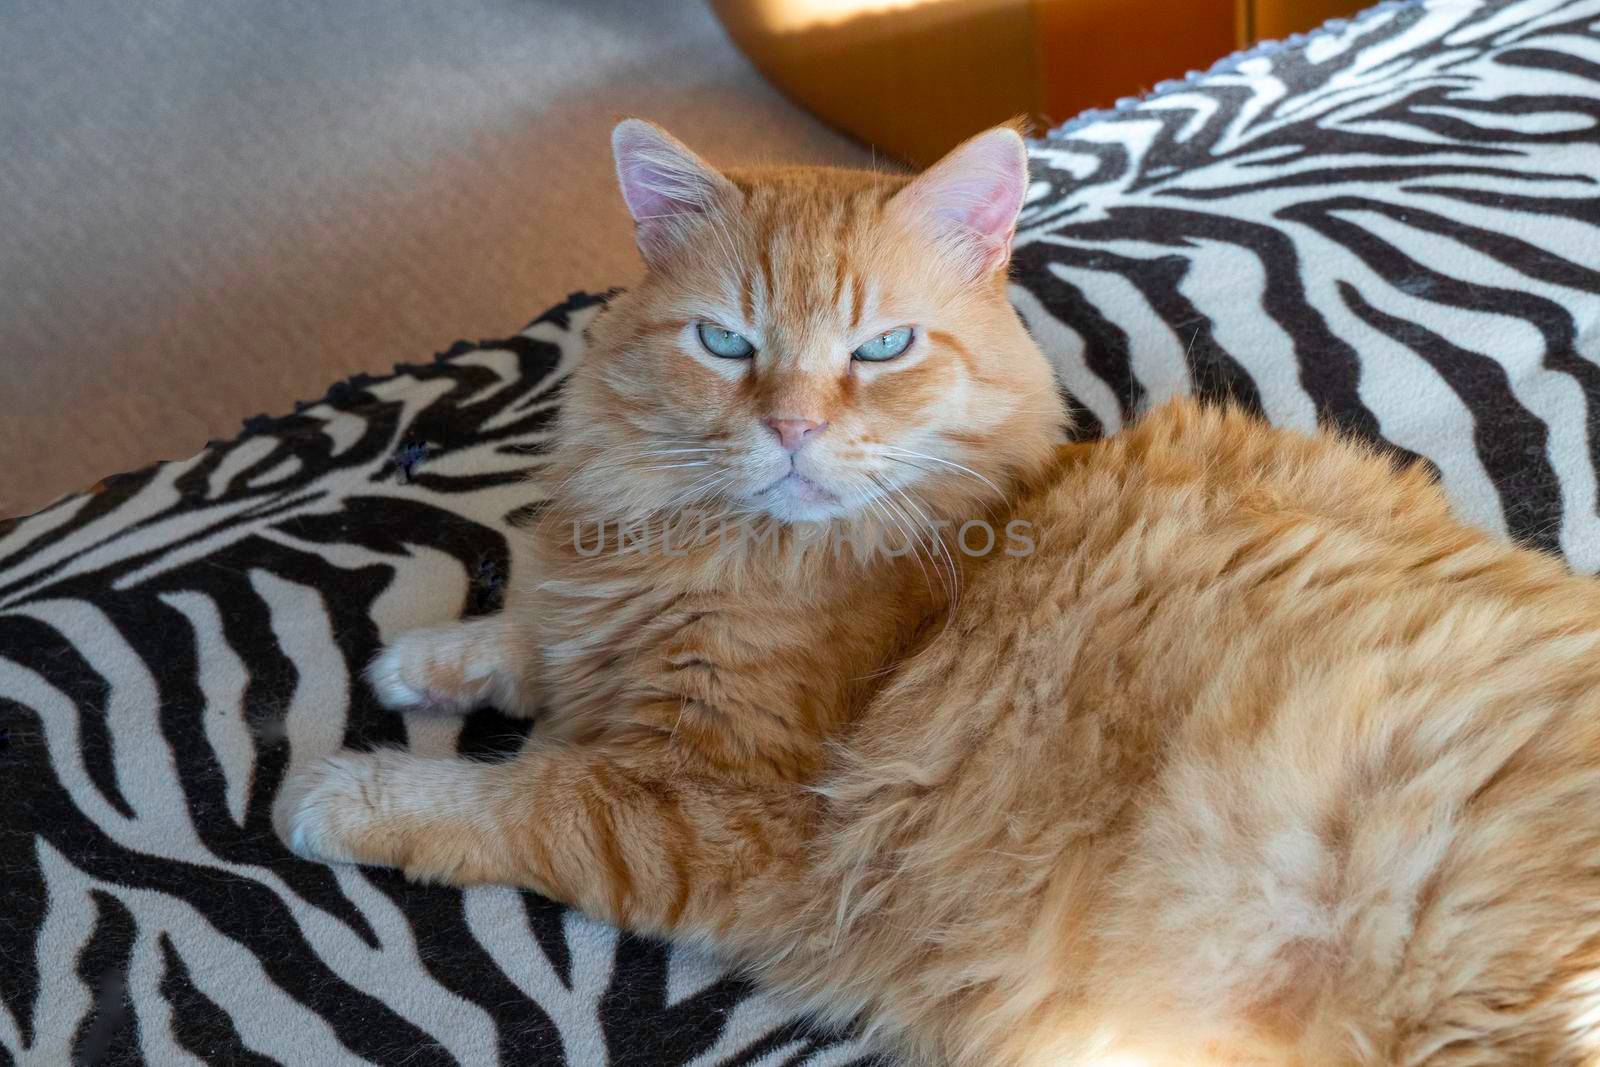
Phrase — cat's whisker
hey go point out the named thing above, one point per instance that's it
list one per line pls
(937, 538)
(913, 464)
(702, 489)
(673, 451)
(989, 507)
(622, 462)
(613, 457)
(947, 463)
(923, 543)
(686, 496)
(911, 542)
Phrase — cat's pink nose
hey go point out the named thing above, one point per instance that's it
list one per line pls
(793, 432)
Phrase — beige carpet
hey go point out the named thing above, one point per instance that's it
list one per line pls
(212, 208)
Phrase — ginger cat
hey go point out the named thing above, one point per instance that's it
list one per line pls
(1233, 747)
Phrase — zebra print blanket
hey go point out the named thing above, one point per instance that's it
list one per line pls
(1392, 226)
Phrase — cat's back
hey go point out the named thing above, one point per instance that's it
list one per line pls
(1203, 540)
(1277, 739)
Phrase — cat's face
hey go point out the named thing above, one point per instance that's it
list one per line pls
(813, 344)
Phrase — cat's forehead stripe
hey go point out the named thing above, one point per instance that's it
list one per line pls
(747, 296)
(799, 258)
(808, 253)
(764, 258)
(841, 258)
(858, 299)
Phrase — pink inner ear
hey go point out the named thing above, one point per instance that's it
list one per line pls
(648, 190)
(974, 194)
(662, 183)
(659, 177)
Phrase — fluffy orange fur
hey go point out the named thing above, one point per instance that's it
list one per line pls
(1259, 757)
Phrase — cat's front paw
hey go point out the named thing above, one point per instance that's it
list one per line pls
(431, 669)
(322, 812)
(452, 669)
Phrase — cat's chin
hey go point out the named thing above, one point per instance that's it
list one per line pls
(797, 512)
(796, 498)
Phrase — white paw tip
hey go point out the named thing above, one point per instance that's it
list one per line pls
(392, 691)
(309, 804)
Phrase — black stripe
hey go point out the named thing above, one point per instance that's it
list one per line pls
(1330, 370)
(1553, 321)
(525, 1033)
(22, 750)
(199, 1024)
(547, 923)
(1584, 209)
(1387, 175)
(107, 1035)
(116, 491)
(1105, 350)
(1214, 372)
(1524, 257)
(1511, 442)
(636, 1018)
(42, 649)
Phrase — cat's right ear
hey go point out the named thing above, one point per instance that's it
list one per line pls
(666, 186)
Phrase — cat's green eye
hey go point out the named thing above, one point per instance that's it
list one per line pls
(885, 345)
(724, 344)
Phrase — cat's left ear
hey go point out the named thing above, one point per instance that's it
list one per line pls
(971, 197)
(668, 189)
